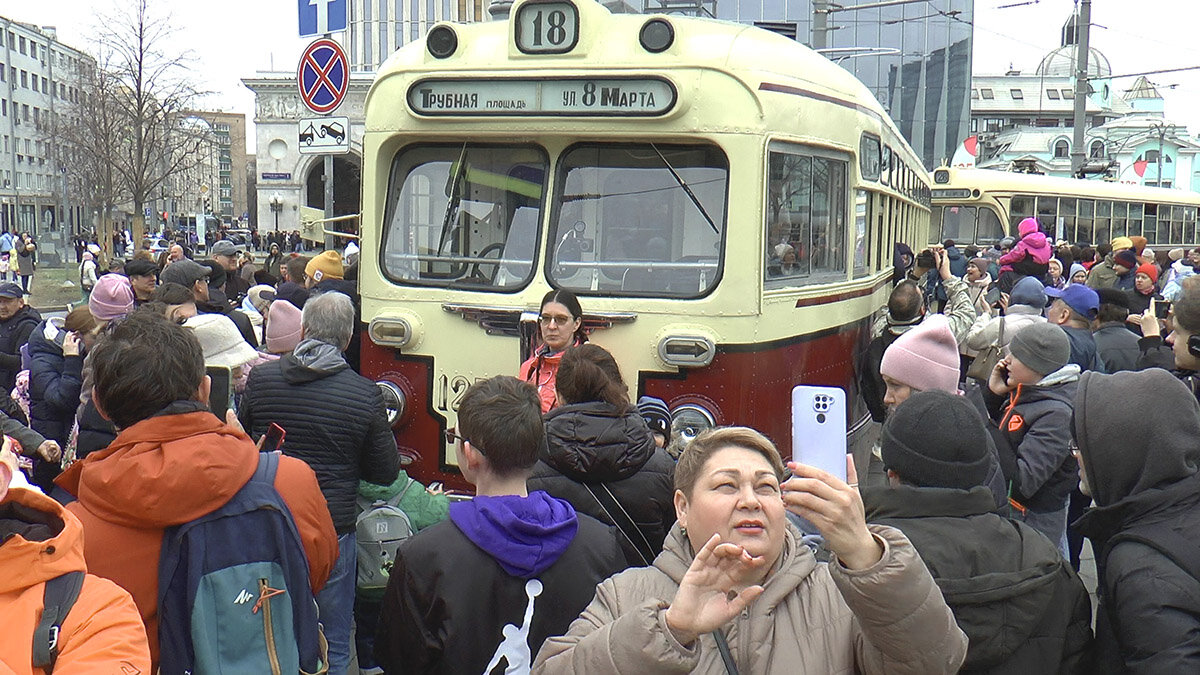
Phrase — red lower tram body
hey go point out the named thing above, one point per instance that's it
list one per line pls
(748, 385)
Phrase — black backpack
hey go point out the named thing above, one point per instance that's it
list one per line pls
(57, 600)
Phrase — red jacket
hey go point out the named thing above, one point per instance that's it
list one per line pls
(103, 632)
(168, 470)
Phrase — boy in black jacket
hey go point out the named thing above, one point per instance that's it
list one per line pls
(479, 593)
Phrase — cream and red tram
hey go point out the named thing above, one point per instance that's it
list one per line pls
(662, 168)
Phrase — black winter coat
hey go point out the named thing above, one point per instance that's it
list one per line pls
(599, 446)
(1117, 346)
(449, 604)
(1158, 354)
(1141, 458)
(13, 333)
(1023, 608)
(55, 383)
(335, 421)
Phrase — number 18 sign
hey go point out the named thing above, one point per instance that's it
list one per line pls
(547, 27)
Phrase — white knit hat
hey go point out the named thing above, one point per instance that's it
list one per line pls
(221, 341)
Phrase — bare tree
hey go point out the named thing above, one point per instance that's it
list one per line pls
(154, 92)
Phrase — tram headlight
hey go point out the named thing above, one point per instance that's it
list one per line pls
(441, 41)
(690, 420)
(656, 35)
(394, 401)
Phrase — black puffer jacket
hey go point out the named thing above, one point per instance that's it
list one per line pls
(1137, 439)
(598, 446)
(1023, 608)
(54, 382)
(334, 418)
(13, 333)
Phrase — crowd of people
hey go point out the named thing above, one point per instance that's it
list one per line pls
(1028, 399)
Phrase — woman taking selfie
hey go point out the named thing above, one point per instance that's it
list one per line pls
(560, 325)
(735, 591)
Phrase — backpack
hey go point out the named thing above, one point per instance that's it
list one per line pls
(58, 597)
(380, 529)
(233, 589)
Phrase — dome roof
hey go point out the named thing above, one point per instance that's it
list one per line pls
(1061, 63)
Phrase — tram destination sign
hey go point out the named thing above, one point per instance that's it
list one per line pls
(633, 97)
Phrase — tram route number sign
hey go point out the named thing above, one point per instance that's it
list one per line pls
(549, 97)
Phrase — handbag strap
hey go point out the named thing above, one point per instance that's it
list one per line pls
(1001, 343)
(625, 527)
(726, 655)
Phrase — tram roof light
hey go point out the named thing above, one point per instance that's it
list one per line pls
(657, 35)
(442, 41)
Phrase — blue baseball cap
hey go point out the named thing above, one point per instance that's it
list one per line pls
(10, 290)
(1078, 297)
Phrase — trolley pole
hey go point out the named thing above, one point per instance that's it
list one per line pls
(328, 196)
(1082, 53)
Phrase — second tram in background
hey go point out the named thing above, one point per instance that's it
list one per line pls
(724, 202)
(982, 206)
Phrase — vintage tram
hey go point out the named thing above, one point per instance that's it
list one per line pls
(723, 200)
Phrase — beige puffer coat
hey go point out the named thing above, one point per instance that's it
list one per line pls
(811, 618)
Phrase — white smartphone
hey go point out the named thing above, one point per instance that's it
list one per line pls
(819, 428)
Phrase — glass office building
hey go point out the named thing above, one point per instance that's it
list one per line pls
(916, 58)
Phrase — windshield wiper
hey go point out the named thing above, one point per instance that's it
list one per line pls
(454, 197)
(683, 184)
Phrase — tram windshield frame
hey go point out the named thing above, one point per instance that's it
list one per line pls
(465, 215)
(642, 219)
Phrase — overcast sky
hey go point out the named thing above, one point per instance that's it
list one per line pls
(233, 39)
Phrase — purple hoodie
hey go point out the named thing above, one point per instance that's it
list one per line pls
(526, 535)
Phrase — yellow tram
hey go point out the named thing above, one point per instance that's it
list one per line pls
(723, 201)
(981, 206)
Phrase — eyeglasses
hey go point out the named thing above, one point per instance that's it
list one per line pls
(548, 319)
(452, 438)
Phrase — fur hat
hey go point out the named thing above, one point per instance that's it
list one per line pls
(112, 298)
(326, 265)
(283, 327)
(924, 358)
(1139, 244)
(1176, 254)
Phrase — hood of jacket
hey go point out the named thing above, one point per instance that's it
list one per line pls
(796, 562)
(39, 540)
(999, 592)
(312, 360)
(1036, 239)
(597, 442)
(525, 535)
(47, 338)
(1068, 373)
(163, 471)
(1136, 475)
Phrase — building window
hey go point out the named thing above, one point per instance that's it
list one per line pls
(987, 94)
(1097, 150)
(1152, 156)
(22, 44)
(1068, 94)
(974, 94)
(1062, 150)
(1052, 94)
(24, 79)
(1017, 94)
(1045, 122)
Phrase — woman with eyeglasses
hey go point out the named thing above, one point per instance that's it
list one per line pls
(560, 325)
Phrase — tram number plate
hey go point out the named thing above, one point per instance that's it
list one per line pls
(575, 96)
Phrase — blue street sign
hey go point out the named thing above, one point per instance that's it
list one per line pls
(318, 17)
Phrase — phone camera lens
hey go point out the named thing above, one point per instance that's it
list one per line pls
(820, 418)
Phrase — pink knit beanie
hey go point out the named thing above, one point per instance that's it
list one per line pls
(112, 298)
(925, 358)
(283, 327)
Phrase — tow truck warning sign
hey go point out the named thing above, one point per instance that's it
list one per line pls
(583, 97)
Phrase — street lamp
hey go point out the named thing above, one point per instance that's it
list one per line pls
(276, 207)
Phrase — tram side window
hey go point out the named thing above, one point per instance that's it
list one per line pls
(958, 223)
(644, 219)
(862, 238)
(1020, 208)
(806, 220)
(464, 215)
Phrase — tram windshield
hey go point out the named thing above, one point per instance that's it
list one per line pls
(643, 219)
(464, 215)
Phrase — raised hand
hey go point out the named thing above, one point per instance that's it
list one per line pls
(836, 509)
(709, 595)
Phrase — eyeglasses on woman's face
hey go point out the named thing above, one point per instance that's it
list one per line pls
(555, 319)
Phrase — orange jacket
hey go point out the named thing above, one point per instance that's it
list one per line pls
(541, 370)
(103, 632)
(169, 470)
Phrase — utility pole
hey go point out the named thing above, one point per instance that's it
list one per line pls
(328, 197)
(1083, 29)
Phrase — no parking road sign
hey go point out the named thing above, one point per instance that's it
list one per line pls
(323, 76)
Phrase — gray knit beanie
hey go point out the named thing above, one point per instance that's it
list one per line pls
(1042, 347)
